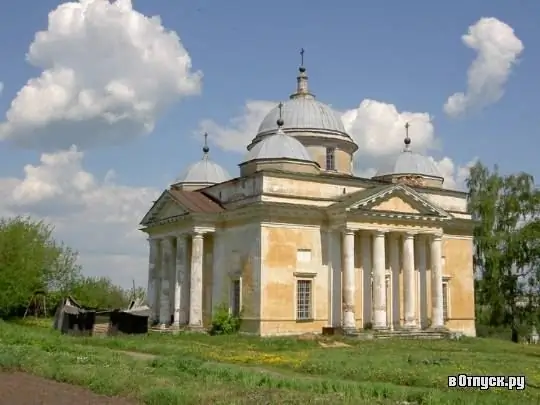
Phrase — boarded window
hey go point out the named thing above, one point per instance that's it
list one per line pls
(445, 300)
(235, 298)
(304, 298)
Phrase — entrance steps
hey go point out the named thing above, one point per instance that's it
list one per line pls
(391, 334)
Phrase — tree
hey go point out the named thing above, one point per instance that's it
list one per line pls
(506, 238)
(100, 293)
(31, 260)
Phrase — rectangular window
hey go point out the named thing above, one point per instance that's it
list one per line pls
(445, 300)
(330, 159)
(304, 300)
(235, 297)
(303, 256)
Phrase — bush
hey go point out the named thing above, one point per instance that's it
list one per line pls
(223, 322)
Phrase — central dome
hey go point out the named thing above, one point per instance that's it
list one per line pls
(315, 125)
(304, 113)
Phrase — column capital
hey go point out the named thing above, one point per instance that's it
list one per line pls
(379, 232)
(409, 234)
(348, 231)
(202, 230)
(436, 236)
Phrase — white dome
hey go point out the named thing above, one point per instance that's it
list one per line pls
(304, 113)
(409, 162)
(204, 172)
(278, 146)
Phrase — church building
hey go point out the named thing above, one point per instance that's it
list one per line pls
(297, 243)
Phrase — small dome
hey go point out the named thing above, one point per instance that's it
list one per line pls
(409, 162)
(304, 113)
(279, 146)
(204, 171)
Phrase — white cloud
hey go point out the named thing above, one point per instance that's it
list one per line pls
(107, 73)
(379, 130)
(1, 88)
(237, 134)
(377, 127)
(97, 217)
(454, 176)
(498, 49)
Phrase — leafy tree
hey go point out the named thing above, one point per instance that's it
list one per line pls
(100, 293)
(506, 237)
(31, 260)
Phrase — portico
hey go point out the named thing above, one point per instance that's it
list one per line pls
(175, 278)
(381, 271)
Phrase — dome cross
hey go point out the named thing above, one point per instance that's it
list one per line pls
(407, 140)
(280, 119)
(205, 148)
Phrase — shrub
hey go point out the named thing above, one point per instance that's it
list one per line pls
(223, 322)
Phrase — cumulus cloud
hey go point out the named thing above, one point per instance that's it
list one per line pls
(107, 73)
(238, 132)
(379, 130)
(497, 49)
(98, 217)
(454, 175)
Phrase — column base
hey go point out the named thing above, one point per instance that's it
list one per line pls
(162, 326)
(441, 328)
(196, 328)
(349, 330)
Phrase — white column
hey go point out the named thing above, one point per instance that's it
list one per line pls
(409, 281)
(365, 242)
(422, 272)
(379, 281)
(395, 267)
(153, 269)
(436, 282)
(196, 286)
(166, 261)
(181, 267)
(349, 281)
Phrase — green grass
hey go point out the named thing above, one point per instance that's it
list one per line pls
(200, 369)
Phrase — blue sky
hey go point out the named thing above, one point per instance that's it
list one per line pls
(409, 54)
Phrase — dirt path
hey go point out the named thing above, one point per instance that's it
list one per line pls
(26, 389)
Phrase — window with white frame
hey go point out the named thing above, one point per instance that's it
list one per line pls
(330, 158)
(235, 297)
(304, 299)
(445, 297)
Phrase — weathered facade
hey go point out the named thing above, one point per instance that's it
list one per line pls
(297, 243)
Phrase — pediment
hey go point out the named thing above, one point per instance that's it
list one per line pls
(171, 209)
(164, 207)
(395, 204)
(391, 199)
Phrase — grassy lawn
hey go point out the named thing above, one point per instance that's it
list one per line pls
(200, 369)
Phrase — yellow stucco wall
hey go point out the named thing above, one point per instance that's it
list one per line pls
(237, 256)
(458, 253)
(278, 289)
